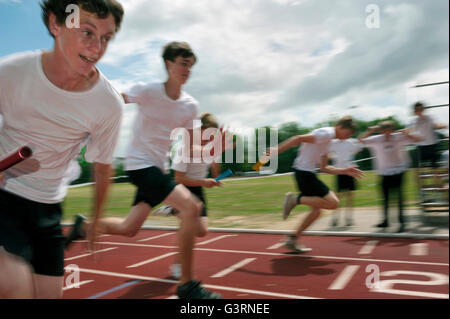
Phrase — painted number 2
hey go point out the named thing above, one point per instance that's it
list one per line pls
(387, 286)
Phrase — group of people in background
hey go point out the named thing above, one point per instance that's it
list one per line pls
(57, 102)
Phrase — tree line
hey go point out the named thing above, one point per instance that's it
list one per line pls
(242, 165)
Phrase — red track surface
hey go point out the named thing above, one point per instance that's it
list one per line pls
(338, 267)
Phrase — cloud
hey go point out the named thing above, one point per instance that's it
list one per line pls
(265, 62)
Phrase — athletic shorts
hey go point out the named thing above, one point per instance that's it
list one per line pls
(32, 231)
(309, 185)
(428, 155)
(153, 186)
(198, 191)
(345, 183)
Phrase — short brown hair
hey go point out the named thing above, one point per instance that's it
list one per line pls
(209, 121)
(175, 49)
(102, 8)
(418, 104)
(347, 122)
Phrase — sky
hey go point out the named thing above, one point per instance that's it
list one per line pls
(268, 62)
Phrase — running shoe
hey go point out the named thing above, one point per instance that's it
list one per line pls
(165, 210)
(290, 201)
(194, 290)
(77, 231)
(291, 244)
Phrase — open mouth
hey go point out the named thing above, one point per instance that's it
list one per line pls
(88, 60)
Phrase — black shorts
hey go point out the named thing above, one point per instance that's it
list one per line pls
(428, 156)
(345, 183)
(309, 185)
(198, 191)
(32, 231)
(153, 186)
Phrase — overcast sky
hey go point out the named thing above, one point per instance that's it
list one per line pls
(267, 62)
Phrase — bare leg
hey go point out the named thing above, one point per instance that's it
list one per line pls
(48, 287)
(16, 281)
(311, 218)
(189, 208)
(336, 212)
(202, 230)
(128, 226)
(349, 206)
(330, 201)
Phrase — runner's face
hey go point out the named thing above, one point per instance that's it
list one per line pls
(180, 69)
(83, 47)
(343, 133)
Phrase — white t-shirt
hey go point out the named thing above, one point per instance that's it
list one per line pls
(55, 123)
(157, 117)
(192, 170)
(424, 127)
(344, 152)
(390, 155)
(309, 154)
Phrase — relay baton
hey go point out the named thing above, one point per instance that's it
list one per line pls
(18, 156)
(225, 174)
(261, 162)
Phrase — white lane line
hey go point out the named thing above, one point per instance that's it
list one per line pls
(90, 254)
(263, 253)
(215, 239)
(77, 285)
(232, 268)
(344, 278)
(173, 297)
(152, 260)
(419, 249)
(368, 247)
(234, 289)
(154, 237)
(277, 245)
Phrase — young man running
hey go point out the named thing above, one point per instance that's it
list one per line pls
(195, 177)
(313, 192)
(163, 107)
(54, 101)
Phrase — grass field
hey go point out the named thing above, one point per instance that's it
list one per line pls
(256, 197)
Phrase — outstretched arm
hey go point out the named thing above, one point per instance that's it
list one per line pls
(440, 126)
(290, 143)
(181, 178)
(370, 131)
(408, 133)
(352, 171)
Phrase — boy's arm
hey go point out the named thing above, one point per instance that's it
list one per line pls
(102, 175)
(181, 178)
(290, 143)
(370, 131)
(412, 137)
(215, 169)
(440, 126)
(352, 171)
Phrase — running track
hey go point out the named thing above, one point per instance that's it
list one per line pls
(257, 266)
